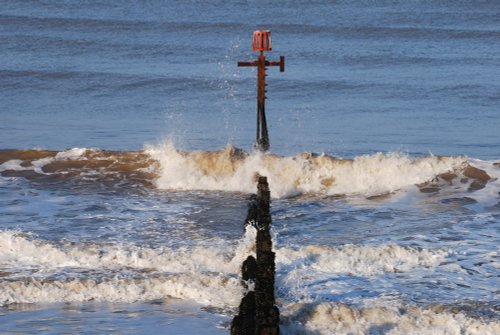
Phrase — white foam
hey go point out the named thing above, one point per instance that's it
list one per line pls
(366, 175)
(209, 275)
(18, 251)
(38, 164)
(362, 260)
(181, 172)
(13, 164)
(71, 154)
(213, 290)
(334, 318)
(222, 261)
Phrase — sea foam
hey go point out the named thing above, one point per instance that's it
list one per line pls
(36, 270)
(395, 319)
(232, 169)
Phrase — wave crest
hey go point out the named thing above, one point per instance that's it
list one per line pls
(234, 170)
(336, 318)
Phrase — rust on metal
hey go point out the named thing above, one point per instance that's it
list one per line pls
(262, 42)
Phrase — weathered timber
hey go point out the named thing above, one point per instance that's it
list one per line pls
(251, 218)
(267, 314)
(244, 322)
(249, 269)
(258, 313)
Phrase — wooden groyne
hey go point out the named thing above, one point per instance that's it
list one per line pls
(258, 313)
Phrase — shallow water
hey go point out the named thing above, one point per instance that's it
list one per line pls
(123, 190)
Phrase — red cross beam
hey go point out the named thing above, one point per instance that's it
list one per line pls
(262, 42)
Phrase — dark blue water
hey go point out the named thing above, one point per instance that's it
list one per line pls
(360, 77)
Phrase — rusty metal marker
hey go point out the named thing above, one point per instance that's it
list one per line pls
(262, 42)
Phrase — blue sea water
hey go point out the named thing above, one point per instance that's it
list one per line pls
(367, 76)
(107, 248)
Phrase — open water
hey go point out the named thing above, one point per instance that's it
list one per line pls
(126, 163)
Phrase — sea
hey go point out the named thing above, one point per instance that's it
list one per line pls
(127, 162)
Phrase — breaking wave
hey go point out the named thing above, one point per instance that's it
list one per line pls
(20, 252)
(235, 170)
(36, 270)
(336, 318)
(362, 260)
(213, 290)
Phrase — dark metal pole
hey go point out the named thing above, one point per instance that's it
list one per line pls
(263, 136)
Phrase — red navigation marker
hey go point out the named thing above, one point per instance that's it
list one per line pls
(262, 42)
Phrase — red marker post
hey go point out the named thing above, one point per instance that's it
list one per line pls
(262, 42)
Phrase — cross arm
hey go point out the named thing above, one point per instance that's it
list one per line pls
(281, 63)
(254, 63)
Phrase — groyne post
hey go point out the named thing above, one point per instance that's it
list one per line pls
(266, 312)
(258, 313)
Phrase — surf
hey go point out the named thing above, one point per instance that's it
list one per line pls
(164, 167)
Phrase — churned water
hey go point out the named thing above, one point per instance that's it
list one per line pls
(126, 163)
